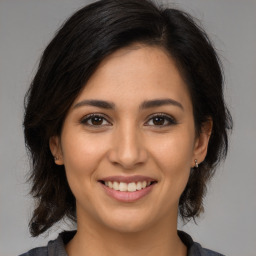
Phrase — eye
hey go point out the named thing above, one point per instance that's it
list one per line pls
(161, 120)
(95, 120)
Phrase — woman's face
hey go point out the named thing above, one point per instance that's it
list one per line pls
(131, 126)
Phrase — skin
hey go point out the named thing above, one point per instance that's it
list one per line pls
(129, 141)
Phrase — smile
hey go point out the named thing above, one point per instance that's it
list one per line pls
(131, 187)
(127, 189)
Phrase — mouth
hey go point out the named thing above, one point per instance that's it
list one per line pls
(127, 189)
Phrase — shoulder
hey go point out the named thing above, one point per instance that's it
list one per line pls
(40, 251)
(54, 248)
(57, 247)
(198, 250)
(195, 249)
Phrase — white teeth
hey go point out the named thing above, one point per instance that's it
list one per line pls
(139, 186)
(110, 184)
(115, 185)
(131, 187)
(124, 187)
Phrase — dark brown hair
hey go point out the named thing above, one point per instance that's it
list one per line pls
(70, 59)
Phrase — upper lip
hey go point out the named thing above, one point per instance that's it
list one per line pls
(128, 179)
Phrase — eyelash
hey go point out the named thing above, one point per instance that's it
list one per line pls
(90, 116)
(169, 119)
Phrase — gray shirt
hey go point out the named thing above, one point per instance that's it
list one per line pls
(57, 247)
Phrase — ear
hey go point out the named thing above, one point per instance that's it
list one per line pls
(201, 142)
(55, 147)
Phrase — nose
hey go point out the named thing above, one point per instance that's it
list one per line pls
(128, 149)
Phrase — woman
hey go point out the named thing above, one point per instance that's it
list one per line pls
(125, 122)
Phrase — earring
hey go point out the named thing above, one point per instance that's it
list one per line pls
(56, 158)
(196, 164)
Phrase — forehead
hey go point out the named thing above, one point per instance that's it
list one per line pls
(136, 73)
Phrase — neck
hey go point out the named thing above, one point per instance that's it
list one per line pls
(94, 239)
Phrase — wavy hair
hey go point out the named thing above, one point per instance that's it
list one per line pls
(73, 55)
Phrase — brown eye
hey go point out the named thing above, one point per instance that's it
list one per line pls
(161, 120)
(95, 120)
(158, 121)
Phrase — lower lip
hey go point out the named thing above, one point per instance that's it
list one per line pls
(127, 196)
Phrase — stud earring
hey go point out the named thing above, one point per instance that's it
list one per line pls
(196, 164)
(56, 158)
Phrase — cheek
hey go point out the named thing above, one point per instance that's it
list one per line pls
(81, 155)
(173, 156)
(175, 150)
(81, 149)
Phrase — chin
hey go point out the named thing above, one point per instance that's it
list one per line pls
(129, 222)
(128, 227)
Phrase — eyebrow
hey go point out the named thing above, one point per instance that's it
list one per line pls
(144, 105)
(96, 103)
(159, 103)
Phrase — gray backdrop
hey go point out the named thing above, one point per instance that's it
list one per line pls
(228, 224)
